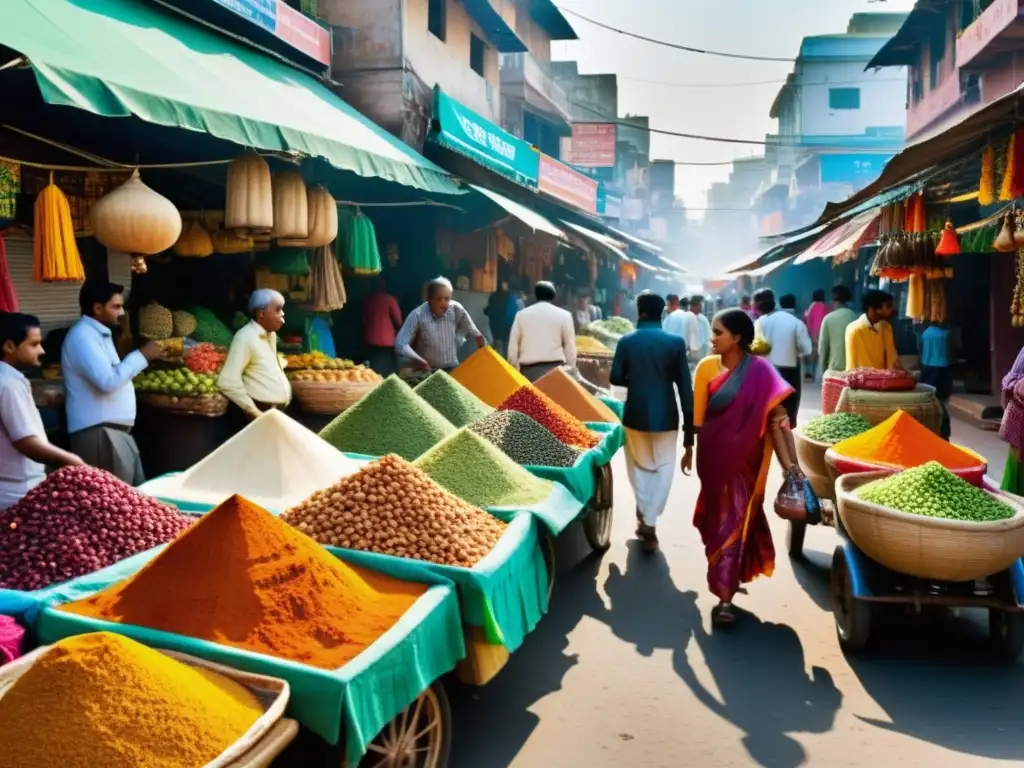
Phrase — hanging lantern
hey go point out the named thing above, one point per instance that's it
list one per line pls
(249, 197)
(194, 243)
(134, 219)
(230, 243)
(291, 208)
(1004, 241)
(949, 243)
(322, 221)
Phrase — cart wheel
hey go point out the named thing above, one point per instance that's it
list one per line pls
(597, 522)
(852, 616)
(420, 736)
(795, 538)
(547, 548)
(1006, 632)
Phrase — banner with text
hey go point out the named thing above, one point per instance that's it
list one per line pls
(592, 145)
(280, 19)
(565, 184)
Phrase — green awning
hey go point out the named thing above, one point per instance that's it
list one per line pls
(117, 58)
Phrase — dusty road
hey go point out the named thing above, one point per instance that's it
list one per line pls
(624, 671)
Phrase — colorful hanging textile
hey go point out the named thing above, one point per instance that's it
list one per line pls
(8, 298)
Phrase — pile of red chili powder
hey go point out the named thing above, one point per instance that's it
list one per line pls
(546, 412)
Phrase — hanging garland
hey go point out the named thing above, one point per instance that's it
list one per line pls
(1006, 188)
(987, 184)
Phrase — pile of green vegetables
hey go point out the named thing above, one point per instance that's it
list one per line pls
(932, 490)
(608, 331)
(835, 427)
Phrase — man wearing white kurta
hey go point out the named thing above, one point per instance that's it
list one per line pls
(543, 336)
(652, 365)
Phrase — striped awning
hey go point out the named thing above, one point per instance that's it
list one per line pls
(844, 240)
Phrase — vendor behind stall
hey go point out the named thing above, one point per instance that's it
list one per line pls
(870, 342)
(24, 448)
(430, 337)
(253, 377)
(99, 397)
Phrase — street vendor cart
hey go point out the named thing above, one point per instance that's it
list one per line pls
(890, 558)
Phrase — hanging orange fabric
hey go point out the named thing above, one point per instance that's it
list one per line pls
(987, 183)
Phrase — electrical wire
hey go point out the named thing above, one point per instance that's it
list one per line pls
(670, 84)
(676, 46)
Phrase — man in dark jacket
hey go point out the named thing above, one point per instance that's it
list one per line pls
(648, 362)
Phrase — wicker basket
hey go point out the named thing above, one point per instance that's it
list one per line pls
(204, 405)
(330, 397)
(596, 370)
(876, 407)
(250, 749)
(839, 466)
(810, 454)
(927, 547)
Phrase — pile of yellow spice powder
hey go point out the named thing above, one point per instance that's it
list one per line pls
(103, 700)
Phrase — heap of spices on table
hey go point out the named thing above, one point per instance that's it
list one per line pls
(551, 416)
(524, 440)
(244, 578)
(489, 376)
(393, 508)
(390, 419)
(101, 699)
(902, 441)
(564, 390)
(451, 399)
(932, 490)
(477, 472)
(835, 427)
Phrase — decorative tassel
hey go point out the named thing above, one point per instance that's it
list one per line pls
(949, 244)
(987, 184)
(1007, 186)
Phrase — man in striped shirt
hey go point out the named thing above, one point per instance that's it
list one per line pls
(430, 337)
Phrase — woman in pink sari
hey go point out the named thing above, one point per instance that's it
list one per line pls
(737, 399)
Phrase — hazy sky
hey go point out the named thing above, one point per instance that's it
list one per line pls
(756, 27)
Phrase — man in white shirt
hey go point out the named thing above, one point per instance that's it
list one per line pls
(253, 376)
(789, 340)
(24, 447)
(543, 336)
(693, 326)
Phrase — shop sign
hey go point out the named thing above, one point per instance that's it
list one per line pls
(466, 132)
(565, 184)
(292, 27)
(856, 169)
(592, 145)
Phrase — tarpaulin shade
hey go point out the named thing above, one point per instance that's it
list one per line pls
(530, 218)
(117, 58)
(767, 269)
(602, 241)
(845, 239)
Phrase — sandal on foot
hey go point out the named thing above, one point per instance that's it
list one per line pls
(722, 615)
(648, 537)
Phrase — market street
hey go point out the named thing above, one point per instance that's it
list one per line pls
(623, 671)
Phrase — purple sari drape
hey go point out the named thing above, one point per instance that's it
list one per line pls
(732, 461)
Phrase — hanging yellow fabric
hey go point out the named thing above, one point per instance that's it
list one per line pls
(1006, 186)
(987, 183)
(55, 256)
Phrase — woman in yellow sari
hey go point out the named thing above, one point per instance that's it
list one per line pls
(737, 399)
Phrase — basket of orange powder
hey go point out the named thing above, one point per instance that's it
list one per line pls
(902, 442)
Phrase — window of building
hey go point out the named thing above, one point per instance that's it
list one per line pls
(844, 98)
(476, 54)
(437, 18)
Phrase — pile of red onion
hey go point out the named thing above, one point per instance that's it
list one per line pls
(77, 521)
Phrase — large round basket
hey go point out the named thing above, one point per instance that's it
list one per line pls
(840, 465)
(330, 397)
(203, 405)
(596, 370)
(876, 407)
(927, 547)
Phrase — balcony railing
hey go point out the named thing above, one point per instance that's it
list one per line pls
(526, 70)
(990, 32)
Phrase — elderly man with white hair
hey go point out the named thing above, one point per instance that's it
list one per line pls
(253, 374)
(430, 337)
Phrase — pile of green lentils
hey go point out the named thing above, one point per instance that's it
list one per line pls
(452, 400)
(524, 440)
(932, 490)
(835, 427)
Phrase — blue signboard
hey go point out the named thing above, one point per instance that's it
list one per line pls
(263, 13)
(857, 169)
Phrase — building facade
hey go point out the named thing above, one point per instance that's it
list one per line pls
(390, 54)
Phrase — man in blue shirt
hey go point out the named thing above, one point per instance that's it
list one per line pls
(99, 397)
(652, 365)
(936, 369)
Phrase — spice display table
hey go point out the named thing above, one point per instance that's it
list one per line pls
(859, 584)
(349, 706)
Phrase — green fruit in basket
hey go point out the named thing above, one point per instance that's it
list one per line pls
(932, 490)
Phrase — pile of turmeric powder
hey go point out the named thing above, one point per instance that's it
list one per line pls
(901, 441)
(103, 700)
(489, 376)
(244, 578)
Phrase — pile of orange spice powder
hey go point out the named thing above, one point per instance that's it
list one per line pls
(901, 441)
(242, 577)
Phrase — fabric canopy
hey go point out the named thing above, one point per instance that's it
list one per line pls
(532, 219)
(845, 239)
(602, 241)
(117, 58)
(767, 269)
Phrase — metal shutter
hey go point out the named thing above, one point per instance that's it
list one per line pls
(119, 270)
(55, 304)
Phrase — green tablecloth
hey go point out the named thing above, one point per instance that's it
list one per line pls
(355, 701)
(617, 406)
(506, 593)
